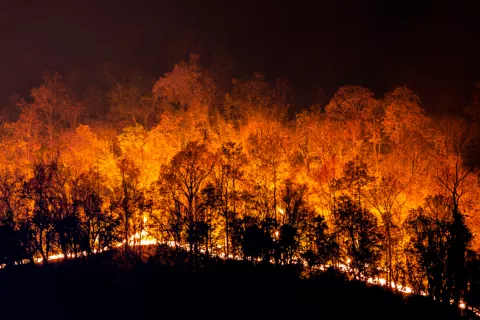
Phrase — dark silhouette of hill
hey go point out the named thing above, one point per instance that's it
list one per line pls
(104, 288)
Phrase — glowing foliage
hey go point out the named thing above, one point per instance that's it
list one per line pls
(231, 175)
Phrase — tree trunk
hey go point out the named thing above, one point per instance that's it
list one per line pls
(227, 249)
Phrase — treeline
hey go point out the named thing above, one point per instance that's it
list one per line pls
(372, 186)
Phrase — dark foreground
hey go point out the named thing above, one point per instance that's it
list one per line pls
(104, 288)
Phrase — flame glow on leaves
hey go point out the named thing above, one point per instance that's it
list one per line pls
(183, 164)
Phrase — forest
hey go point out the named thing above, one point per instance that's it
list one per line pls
(366, 185)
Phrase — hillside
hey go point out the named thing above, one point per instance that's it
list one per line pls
(106, 288)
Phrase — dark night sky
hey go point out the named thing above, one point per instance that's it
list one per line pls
(431, 46)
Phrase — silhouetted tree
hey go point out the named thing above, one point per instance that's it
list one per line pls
(98, 227)
(361, 237)
(40, 190)
(384, 196)
(231, 165)
(187, 175)
(293, 220)
(130, 202)
(427, 251)
(14, 235)
(210, 207)
(453, 182)
(356, 179)
(439, 240)
(472, 294)
(324, 250)
(256, 243)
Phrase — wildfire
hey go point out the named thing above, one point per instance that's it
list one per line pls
(139, 239)
(210, 175)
